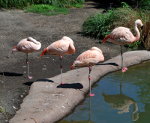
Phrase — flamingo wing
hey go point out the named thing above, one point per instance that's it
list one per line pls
(122, 34)
(26, 46)
(58, 48)
(88, 58)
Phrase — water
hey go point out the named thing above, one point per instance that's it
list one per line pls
(119, 98)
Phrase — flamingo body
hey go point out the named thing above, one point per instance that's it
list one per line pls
(88, 59)
(27, 45)
(64, 46)
(122, 36)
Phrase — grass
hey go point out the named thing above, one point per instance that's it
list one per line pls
(52, 8)
(24, 3)
(99, 25)
(46, 9)
(2, 110)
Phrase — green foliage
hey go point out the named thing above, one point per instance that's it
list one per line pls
(2, 110)
(46, 9)
(145, 4)
(24, 3)
(99, 25)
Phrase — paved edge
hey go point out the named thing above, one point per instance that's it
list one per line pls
(48, 103)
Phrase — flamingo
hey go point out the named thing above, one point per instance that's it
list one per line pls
(27, 45)
(64, 46)
(122, 36)
(88, 59)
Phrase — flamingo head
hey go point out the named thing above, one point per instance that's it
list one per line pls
(97, 49)
(65, 38)
(14, 49)
(44, 52)
(139, 23)
(72, 67)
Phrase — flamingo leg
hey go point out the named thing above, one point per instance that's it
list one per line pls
(61, 69)
(121, 57)
(89, 118)
(27, 63)
(124, 69)
(89, 77)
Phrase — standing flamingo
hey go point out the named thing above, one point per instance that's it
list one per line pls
(88, 59)
(64, 46)
(122, 36)
(27, 45)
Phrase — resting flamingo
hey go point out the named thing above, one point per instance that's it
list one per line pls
(27, 45)
(122, 36)
(88, 59)
(64, 46)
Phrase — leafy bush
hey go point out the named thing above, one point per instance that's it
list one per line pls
(145, 4)
(24, 3)
(99, 25)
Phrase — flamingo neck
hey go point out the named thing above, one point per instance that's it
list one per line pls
(14, 49)
(135, 108)
(33, 40)
(137, 37)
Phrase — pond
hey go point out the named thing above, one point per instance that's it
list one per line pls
(119, 98)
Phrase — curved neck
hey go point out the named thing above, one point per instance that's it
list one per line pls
(137, 37)
(135, 114)
(135, 108)
(33, 40)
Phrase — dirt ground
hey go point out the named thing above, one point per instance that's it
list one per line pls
(16, 25)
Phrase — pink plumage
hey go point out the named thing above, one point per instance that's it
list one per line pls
(88, 59)
(122, 36)
(27, 45)
(64, 46)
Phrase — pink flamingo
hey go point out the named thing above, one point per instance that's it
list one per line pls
(122, 36)
(64, 46)
(88, 59)
(27, 45)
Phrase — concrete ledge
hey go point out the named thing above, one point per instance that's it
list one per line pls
(46, 103)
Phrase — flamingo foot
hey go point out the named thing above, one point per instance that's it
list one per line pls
(91, 95)
(124, 69)
(30, 77)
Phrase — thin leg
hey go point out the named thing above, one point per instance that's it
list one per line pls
(89, 77)
(89, 118)
(124, 69)
(121, 57)
(61, 69)
(3, 78)
(120, 87)
(28, 71)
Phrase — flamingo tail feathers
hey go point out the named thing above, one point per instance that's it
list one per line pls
(105, 39)
(44, 52)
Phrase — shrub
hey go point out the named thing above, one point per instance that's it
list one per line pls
(99, 25)
(145, 4)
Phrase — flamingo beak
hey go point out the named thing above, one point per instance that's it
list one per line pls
(142, 27)
(72, 67)
(43, 52)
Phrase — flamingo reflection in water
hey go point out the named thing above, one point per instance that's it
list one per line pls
(122, 103)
